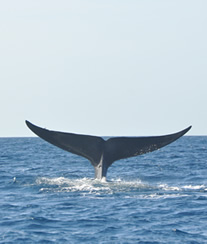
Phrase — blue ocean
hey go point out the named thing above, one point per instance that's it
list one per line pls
(48, 195)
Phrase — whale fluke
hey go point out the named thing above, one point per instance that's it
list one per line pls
(102, 153)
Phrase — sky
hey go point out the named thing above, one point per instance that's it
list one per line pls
(107, 67)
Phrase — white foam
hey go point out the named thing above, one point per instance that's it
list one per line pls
(164, 196)
(169, 188)
(98, 187)
(182, 188)
(88, 186)
(63, 184)
(199, 187)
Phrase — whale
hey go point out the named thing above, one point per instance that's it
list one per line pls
(103, 152)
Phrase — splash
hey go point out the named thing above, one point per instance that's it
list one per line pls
(135, 188)
(88, 186)
(62, 184)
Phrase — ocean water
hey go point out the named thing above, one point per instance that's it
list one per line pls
(48, 195)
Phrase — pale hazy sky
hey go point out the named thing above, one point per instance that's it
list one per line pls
(103, 67)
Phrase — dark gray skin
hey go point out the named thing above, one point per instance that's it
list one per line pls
(102, 153)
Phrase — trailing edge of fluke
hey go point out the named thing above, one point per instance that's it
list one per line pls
(102, 153)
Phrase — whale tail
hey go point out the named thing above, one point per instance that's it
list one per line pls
(103, 153)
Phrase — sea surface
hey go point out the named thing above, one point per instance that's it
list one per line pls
(48, 195)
